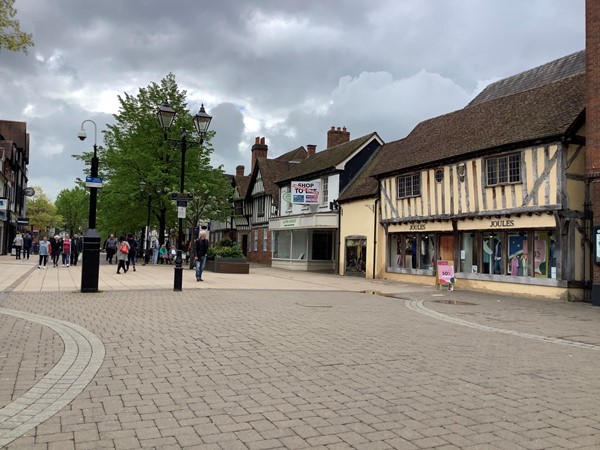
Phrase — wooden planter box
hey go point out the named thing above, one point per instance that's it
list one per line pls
(227, 265)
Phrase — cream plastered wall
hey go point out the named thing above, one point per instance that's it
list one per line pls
(357, 219)
(462, 189)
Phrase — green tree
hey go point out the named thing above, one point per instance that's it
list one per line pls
(135, 149)
(73, 206)
(11, 36)
(41, 212)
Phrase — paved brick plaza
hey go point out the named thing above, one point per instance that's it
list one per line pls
(301, 361)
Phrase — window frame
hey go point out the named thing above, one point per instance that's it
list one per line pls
(505, 170)
(416, 176)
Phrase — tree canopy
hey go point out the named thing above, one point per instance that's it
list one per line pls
(11, 36)
(41, 212)
(135, 150)
(73, 207)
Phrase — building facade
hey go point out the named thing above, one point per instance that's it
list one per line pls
(14, 158)
(497, 189)
(306, 233)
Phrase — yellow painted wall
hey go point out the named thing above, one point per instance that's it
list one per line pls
(449, 197)
(357, 219)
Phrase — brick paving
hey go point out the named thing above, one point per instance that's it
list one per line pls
(281, 360)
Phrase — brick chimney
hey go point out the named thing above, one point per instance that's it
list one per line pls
(311, 149)
(337, 136)
(592, 121)
(259, 150)
(239, 171)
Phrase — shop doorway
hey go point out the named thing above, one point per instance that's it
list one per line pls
(356, 256)
(446, 247)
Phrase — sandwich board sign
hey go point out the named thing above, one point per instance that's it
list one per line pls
(445, 274)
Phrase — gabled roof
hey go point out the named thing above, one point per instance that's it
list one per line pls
(545, 112)
(364, 185)
(242, 183)
(270, 170)
(296, 155)
(326, 159)
(546, 73)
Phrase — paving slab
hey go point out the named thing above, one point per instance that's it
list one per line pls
(279, 359)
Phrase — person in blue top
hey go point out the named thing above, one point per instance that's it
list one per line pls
(43, 251)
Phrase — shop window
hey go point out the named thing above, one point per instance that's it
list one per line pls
(518, 255)
(299, 238)
(544, 259)
(493, 254)
(503, 169)
(356, 256)
(282, 243)
(409, 185)
(411, 251)
(469, 251)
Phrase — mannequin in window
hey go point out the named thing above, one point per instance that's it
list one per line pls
(497, 256)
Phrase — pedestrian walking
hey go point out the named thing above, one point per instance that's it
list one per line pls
(122, 253)
(27, 243)
(110, 246)
(200, 250)
(76, 248)
(155, 248)
(56, 246)
(133, 248)
(43, 252)
(18, 244)
(66, 251)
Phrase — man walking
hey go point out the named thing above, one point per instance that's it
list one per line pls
(27, 243)
(201, 249)
(110, 245)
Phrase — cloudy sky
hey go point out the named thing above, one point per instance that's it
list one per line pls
(287, 70)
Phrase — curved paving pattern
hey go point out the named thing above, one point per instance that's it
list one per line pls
(83, 356)
(418, 306)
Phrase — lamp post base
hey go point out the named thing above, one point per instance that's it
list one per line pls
(90, 262)
(178, 276)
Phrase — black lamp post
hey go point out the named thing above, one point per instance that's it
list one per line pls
(166, 116)
(146, 238)
(90, 263)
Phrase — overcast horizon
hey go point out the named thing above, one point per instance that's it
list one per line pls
(286, 71)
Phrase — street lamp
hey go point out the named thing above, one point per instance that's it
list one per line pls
(146, 245)
(90, 263)
(166, 116)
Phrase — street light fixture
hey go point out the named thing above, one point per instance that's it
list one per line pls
(90, 263)
(166, 116)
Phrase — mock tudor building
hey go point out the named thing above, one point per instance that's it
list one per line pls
(261, 202)
(305, 233)
(14, 158)
(497, 189)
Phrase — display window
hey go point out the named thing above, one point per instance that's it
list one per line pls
(411, 251)
(509, 253)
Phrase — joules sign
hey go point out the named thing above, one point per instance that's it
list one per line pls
(506, 223)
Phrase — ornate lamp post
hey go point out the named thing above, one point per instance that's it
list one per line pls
(90, 263)
(166, 116)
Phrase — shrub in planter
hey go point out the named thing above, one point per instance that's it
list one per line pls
(226, 248)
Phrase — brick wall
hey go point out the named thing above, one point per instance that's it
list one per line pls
(592, 112)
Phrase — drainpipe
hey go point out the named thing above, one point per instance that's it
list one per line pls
(339, 231)
(375, 211)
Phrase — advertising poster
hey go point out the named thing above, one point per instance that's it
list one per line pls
(305, 192)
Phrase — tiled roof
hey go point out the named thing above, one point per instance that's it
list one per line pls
(364, 185)
(553, 71)
(271, 170)
(326, 159)
(296, 155)
(540, 113)
(242, 183)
